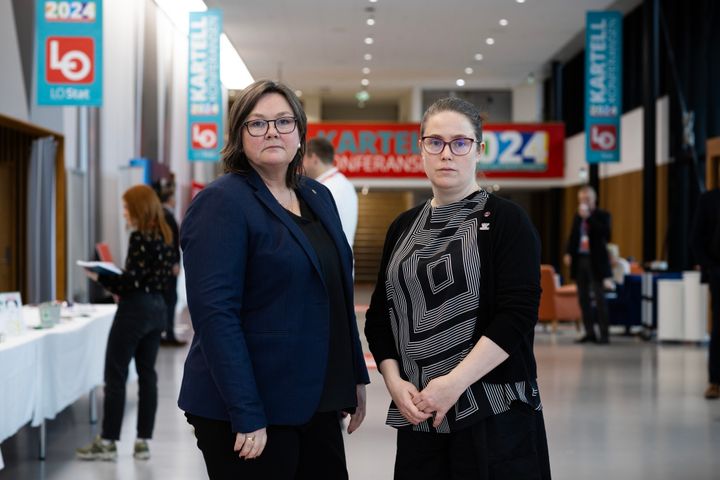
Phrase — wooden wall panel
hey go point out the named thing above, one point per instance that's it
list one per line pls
(376, 211)
(16, 139)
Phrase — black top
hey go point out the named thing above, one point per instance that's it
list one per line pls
(148, 266)
(170, 220)
(338, 393)
(448, 276)
(705, 234)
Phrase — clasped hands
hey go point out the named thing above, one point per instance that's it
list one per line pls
(434, 400)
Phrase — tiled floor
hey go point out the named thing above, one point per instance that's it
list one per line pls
(630, 410)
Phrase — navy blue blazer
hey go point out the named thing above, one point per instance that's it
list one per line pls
(259, 306)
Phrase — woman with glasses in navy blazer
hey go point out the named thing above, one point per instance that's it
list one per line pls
(276, 357)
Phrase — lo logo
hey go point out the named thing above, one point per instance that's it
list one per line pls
(69, 60)
(603, 137)
(204, 135)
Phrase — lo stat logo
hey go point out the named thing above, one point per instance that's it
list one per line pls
(204, 135)
(70, 60)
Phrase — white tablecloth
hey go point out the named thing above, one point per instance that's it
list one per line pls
(44, 371)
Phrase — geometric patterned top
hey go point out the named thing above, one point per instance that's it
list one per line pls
(433, 287)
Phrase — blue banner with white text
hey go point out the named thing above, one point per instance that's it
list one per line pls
(603, 86)
(205, 109)
(69, 38)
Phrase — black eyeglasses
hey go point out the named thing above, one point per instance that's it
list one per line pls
(259, 127)
(458, 146)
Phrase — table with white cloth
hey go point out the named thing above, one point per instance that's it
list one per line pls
(44, 371)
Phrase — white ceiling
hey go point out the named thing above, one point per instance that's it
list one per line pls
(317, 46)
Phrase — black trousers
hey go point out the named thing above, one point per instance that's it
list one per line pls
(586, 282)
(508, 446)
(170, 297)
(714, 356)
(135, 333)
(311, 451)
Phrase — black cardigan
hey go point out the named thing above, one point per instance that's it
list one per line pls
(509, 290)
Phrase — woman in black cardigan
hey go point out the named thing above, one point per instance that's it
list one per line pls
(452, 317)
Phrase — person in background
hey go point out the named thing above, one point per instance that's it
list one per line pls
(318, 164)
(587, 256)
(276, 355)
(166, 192)
(451, 320)
(138, 323)
(705, 243)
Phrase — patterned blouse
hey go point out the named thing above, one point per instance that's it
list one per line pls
(148, 266)
(433, 288)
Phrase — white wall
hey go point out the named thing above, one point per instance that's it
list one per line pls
(631, 146)
(121, 23)
(527, 103)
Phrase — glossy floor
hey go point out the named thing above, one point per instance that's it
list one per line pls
(629, 410)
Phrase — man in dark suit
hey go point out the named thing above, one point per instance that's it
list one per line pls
(587, 256)
(705, 242)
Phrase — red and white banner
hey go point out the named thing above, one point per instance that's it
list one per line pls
(392, 151)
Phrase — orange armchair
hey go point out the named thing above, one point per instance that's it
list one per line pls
(557, 303)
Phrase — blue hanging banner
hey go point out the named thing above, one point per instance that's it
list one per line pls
(603, 86)
(205, 109)
(68, 36)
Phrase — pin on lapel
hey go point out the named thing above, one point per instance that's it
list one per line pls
(484, 226)
(313, 190)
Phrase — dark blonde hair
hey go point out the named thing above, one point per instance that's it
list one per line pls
(146, 212)
(233, 156)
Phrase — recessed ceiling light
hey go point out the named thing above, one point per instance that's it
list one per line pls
(375, 1)
(366, 70)
(368, 40)
(367, 56)
(371, 21)
(364, 82)
(459, 82)
(503, 22)
(298, 93)
(490, 41)
(468, 71)
(518, 1)
(478, 57)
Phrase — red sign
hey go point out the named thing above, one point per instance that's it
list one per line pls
(603, 137)
(393, 151)
(70, 60)
(204, 135)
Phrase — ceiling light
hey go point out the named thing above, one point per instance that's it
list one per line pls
(518, 1)
(367, 56)
(490, 41)
(371, 21)
(368, 40)
(375, 1)
(459, 82)
(364, 82)
(478, 57)
(503, 22)
(365, 70)
(468, 71)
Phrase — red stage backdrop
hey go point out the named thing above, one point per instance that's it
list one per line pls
(391, 150)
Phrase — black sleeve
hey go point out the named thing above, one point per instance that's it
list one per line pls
(702, 231)
(378, 329)
(599, 225)
(516, 271)
(170, 219)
